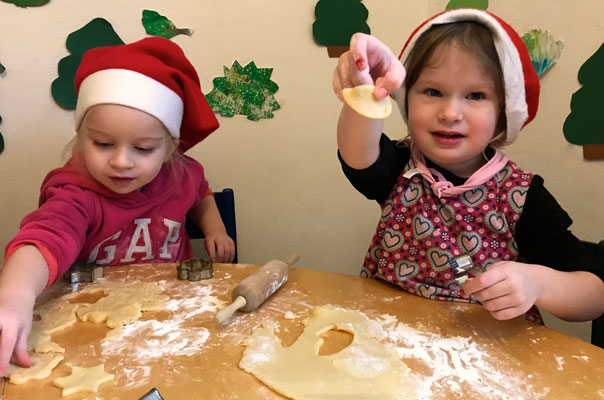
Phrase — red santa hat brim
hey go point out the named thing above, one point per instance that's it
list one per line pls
(521, 83)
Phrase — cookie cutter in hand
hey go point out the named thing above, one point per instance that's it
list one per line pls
(462, 268)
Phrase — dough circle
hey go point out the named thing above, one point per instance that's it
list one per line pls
(367, 369)
(362, 100)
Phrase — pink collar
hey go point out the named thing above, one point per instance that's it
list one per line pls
(442, 187)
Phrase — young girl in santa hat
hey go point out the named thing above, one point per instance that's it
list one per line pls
(467, 87)
(123, 196)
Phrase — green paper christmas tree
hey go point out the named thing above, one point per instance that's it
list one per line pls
(96, 33)
(244, 90)
(585, 123)
(480, 4)
(27, 3)
(157, 25)
(335, 23)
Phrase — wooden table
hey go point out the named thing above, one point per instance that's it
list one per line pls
(456, 350)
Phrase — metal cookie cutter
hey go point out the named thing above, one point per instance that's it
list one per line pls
(152, 394)
(195, 270)
(463, 267)
(83, 272)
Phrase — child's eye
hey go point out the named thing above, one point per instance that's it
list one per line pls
(102, 144)
(433, 92)
(145, 149)
(476, 96)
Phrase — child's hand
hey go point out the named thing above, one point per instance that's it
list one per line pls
(507, 289)
(220, 247)
(16, 311)
(368, 62)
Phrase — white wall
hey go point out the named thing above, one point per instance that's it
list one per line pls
(290, 192)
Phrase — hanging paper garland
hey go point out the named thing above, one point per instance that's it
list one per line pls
(244, 90)
(27, 3)
(585, 123)
(479, 4)
(543, 49)
(96, 33)
(335, 23)
(157, 25)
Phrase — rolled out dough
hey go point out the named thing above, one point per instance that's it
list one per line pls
(362, 100)
(83, 380)
(42, 367)
(367, 369)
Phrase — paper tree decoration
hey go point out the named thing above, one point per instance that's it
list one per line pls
(2, 68)
(335, 23)
(543, 49)
(157, 25)
(96, 33)
(1, 140)
(585, 123)
(27, 3)
(480, 4)
(244, 90)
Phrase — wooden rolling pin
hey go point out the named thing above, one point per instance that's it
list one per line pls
(256, 288)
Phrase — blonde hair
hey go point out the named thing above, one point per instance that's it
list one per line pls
(471, 36)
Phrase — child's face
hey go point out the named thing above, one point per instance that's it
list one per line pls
(123, 148)
(453, 110)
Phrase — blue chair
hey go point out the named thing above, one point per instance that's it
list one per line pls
(225, 201)
(597, 325)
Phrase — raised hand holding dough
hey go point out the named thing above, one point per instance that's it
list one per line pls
(83, 380)
(362, 100)
(367, 369)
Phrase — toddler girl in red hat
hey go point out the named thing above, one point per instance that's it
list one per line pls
(123, 196)
(447, 191)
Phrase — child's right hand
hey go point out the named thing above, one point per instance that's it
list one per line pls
(16, 310)
(368, 62)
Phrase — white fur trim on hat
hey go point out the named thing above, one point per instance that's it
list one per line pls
(132, 89)
(516, 108)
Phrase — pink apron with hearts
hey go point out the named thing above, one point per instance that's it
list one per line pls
(419, 233)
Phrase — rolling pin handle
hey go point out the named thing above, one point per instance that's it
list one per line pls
(226, 312)
(291, 260)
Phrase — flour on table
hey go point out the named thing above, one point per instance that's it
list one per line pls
(367, 369)
(42, 367)
(457, 359)
(172, 336)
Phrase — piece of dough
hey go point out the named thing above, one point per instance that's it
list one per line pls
(83, 380)
(367, 369)
(362, 100)
(122, 304)
(40, 341)
(42, 367)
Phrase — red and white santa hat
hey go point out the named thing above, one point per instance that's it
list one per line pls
(521, 83)
(152, 75)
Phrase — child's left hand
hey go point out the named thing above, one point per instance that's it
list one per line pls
(506, 290)
(220, 247)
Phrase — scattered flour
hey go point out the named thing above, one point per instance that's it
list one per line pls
(454, 360)
(560, 361)
(170, 337)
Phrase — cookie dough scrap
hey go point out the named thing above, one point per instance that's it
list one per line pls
(40, 341)
(122, 304)
(42, 367)
(83, 380)
(367, 369)
(362, 100)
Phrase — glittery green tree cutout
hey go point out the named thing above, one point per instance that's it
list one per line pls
(27, 3)
(479, 4)
(96, 33)
(244, 90)
(157, 25)
(585, 123)
(2, 68)
(335, 23)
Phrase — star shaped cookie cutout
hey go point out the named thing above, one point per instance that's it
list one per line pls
(83, 380)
